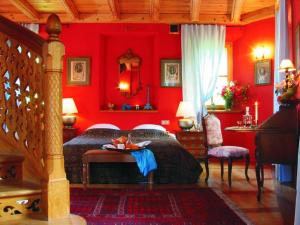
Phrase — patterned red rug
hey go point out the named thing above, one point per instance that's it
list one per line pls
(153, 207)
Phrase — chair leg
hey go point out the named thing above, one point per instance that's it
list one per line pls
(229, 170)
(222, 168)
(247, 166)
(207, 170)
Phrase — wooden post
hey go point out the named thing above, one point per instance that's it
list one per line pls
(55, 190)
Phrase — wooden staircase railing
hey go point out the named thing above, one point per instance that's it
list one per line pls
(31, 123)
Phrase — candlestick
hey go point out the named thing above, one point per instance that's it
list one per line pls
(256, 112)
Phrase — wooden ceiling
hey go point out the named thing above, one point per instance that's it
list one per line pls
(139, 11)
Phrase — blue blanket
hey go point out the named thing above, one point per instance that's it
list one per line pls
(145, 161)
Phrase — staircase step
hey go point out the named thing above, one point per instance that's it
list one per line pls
(17, 188)
(71, 220)
(18, 200)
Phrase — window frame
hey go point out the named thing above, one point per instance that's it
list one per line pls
(229, 47)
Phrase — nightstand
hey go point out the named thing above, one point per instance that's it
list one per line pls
(193, 142)
(69, 133)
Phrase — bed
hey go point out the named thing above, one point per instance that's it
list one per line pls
(175, 164)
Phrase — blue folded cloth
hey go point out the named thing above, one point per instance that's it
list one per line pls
(145, 161)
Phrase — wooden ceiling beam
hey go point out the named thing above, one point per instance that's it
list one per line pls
(257, 15)
(237, 7)
(26, 9)
(167, 18)
(71, 8)
(114, 8)
(195, 10)
(154, 10)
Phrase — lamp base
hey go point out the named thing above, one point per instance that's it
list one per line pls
(185, 124)
(69, 120)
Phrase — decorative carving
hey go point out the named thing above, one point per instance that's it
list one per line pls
(30, 114)
(53, 27)
(19, 206)
(21, 98)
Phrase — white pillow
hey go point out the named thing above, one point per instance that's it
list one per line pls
(149, 126)
(104, 125)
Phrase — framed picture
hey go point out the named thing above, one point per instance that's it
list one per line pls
(78, 71)
(297, 47)
(263, 72)
(170, 73)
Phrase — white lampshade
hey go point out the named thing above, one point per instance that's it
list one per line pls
(69, 106)
(286, 65)
(185, 110)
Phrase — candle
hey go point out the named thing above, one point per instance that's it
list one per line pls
(256, 112)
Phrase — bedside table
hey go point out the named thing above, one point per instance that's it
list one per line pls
(69, 133)
(193, 142)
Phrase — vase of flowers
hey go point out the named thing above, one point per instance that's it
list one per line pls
(234, 93)
(286, 90)
(228, 103)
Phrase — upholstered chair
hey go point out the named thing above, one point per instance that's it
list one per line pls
(214, 141)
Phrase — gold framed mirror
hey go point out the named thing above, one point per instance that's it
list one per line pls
(129, 74)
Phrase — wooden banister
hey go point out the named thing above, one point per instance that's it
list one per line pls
(31, 107)
(57, 184)
(22, 35)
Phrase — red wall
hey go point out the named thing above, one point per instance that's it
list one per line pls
(296, 12)
(253, 35)
(104, 43)
(295, 20)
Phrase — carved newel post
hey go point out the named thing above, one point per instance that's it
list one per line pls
(56, 193)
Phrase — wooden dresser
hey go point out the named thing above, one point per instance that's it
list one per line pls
(193, 141)
(69, 133)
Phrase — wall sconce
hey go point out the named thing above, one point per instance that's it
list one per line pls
(124, 86)
(185, 110)
(69, 108)
(262, 52)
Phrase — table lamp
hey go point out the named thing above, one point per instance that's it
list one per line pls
(69, 109)
(286, 66)
(185, 110)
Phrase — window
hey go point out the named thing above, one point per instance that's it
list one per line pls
(225, 76)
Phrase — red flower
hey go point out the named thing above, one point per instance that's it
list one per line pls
(235, 91)
(279, 98)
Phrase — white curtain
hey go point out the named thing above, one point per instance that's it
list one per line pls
(31, 26)
(201, 47)
(283, 172)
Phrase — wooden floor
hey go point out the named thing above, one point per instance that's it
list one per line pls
(277, 206)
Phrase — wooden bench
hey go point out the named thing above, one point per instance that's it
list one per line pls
(105, 156)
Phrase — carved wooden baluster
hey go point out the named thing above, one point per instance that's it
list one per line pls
(57, 184)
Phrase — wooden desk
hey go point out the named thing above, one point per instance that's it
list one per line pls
(242, 129)
(274, 143)
(105, 156)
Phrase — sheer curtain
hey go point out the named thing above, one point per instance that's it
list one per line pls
(202, 47)
(283, 172)
(31, 26)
